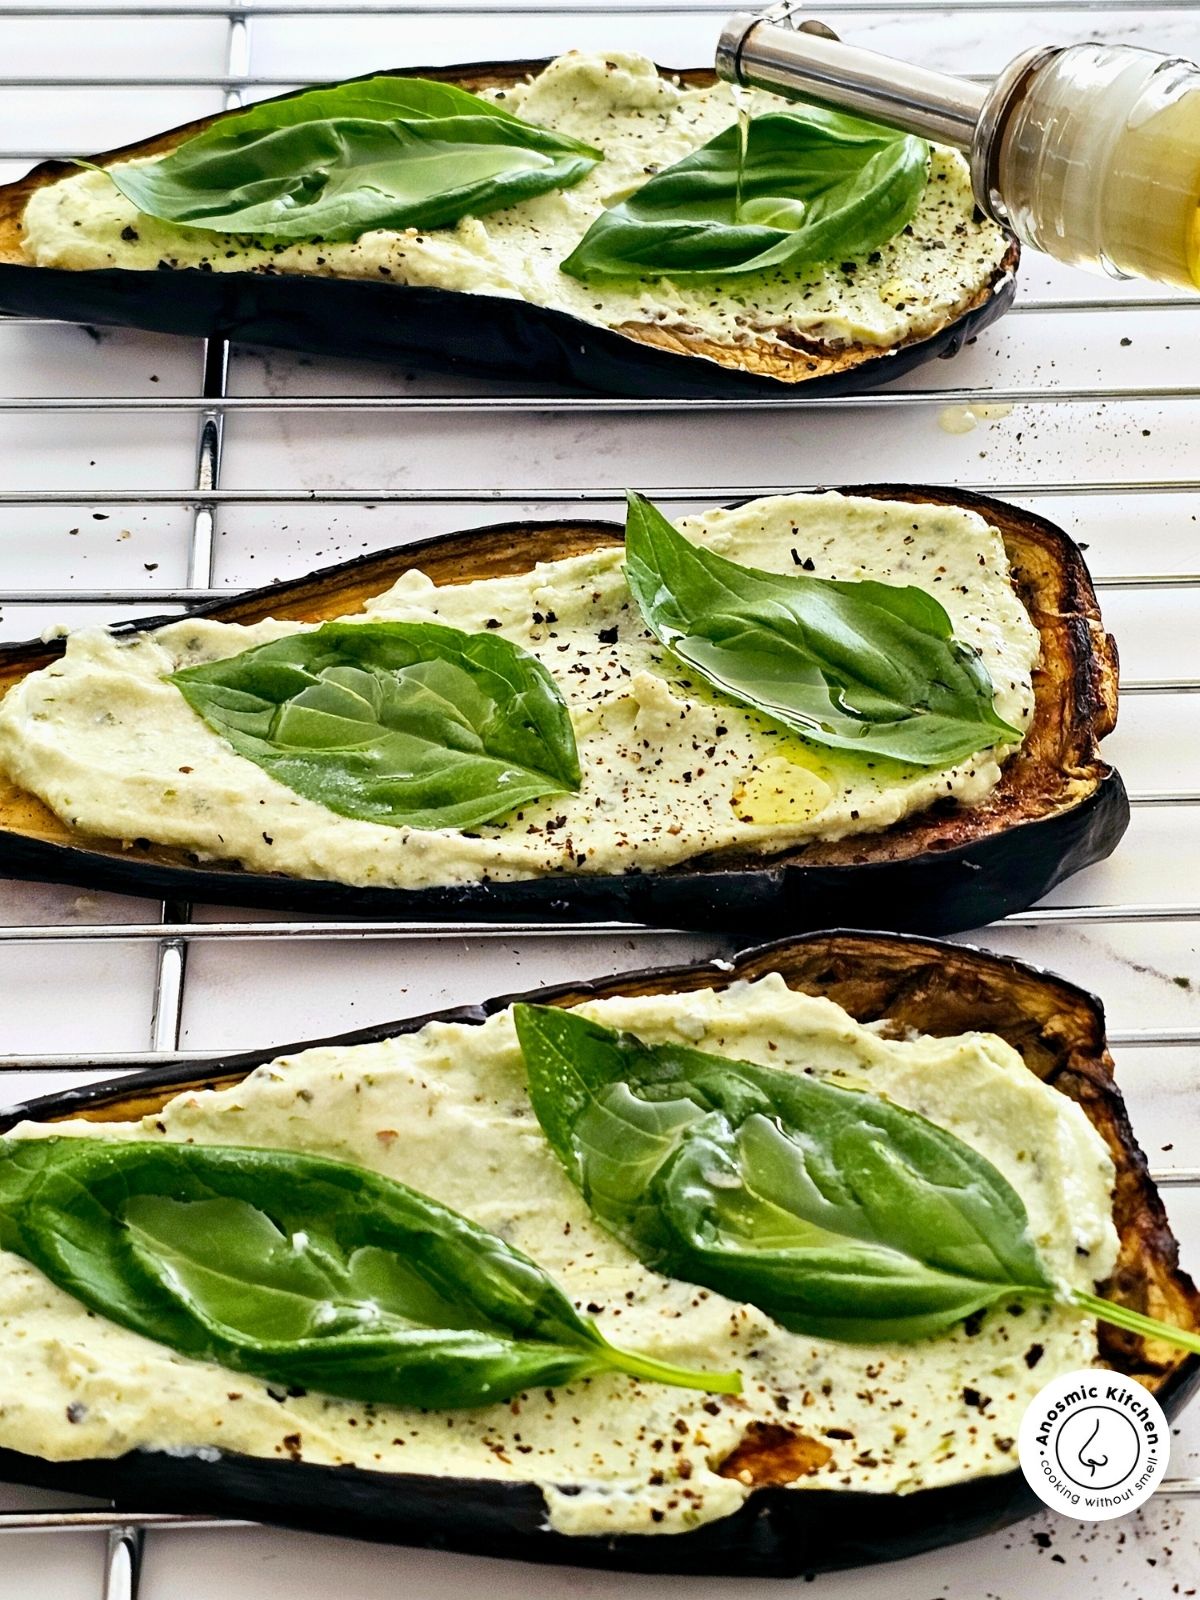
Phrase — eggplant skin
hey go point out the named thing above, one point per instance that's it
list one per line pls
(923, 984)
(443, 329)
(1058, 807)
(777, 1533)
(943, 891)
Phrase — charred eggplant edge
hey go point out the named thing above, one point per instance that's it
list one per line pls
(1058, 807)
(1058, 1029)
(450, 329)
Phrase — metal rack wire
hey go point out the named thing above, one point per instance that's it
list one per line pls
(175, 933)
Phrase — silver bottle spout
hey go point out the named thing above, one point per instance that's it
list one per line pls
(805, 59)
(796, 56)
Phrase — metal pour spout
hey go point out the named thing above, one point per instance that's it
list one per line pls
(798, 57)
(804, 59)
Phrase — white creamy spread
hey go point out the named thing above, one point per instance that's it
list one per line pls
(670, 770)
(446, 1110)
(907, 288)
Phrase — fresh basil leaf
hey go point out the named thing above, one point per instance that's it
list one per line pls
(865, 666)
(336, 162)
(405, 723)
(837, 1213)
(301, 1270)
(815, 186)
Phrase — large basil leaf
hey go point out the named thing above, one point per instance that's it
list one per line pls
(838, 1213)
(864, 666)
(404, 723)
(334, 163)
(301, 1270)
(815, 186)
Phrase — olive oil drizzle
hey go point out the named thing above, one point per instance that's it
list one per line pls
(741, 100)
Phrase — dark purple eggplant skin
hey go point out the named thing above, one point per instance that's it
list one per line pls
(777, 1532)
(952, 891)
(439, 329)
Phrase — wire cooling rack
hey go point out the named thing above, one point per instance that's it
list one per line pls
(1036, 390)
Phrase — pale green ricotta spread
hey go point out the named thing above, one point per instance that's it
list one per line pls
(907, 288)
(447, 1111)
(670, 770)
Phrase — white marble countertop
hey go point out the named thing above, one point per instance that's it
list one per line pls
(87, 997)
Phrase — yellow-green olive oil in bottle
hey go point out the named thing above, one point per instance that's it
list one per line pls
(1099, 162)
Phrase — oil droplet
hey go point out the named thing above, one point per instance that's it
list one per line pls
(964, 419)
(957, 419)
(780, 792)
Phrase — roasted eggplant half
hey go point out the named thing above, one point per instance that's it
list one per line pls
(903, 988)
(649, 351)
(1057, 806)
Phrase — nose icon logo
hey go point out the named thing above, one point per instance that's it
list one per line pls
(1092, 1462)
(1097, 1447)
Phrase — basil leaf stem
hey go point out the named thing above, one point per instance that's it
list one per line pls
(837, 1213)
(303, 1271)
(334, 163)
(814, 186)
(1119, 1316)
(865, 666)
(402, 723)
